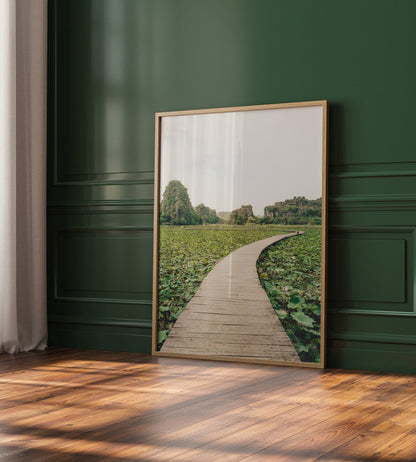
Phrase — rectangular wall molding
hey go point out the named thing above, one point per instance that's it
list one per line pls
(367, 203)
(374, 337)
(117, 178)
(376, 169)
(372, 270)
(94, 263)
(103, 206)
(117, 322)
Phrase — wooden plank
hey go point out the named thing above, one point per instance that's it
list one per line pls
(232, 319)
(375, 446)
(259, 339)
(224, 328)
(404, 422)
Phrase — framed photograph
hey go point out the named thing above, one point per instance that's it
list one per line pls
(240, 234)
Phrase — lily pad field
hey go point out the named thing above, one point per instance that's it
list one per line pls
(289, 271)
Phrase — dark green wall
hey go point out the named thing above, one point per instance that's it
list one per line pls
(114, 63)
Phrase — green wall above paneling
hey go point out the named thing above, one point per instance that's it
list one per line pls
(114, 63)
(119, 61)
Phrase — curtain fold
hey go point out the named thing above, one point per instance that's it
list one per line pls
(23, 54)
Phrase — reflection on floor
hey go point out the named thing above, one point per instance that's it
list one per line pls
(84, 405)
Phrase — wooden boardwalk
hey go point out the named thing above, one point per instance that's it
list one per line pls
(230, 315)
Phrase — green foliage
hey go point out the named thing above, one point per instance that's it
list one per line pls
(176, 207)
(298, 210)
(162, 335)
(187, 254)
(251, 220)
(293, 285)
(242, 215)
(301, 318)
(207, 215)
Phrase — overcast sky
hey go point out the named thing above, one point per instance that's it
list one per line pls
(226, 160)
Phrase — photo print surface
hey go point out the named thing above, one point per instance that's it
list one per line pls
(240, 231)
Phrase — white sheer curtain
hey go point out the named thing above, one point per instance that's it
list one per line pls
(23, 32)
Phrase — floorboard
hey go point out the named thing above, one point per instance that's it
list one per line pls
(88, 405)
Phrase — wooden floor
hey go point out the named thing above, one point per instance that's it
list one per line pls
(80, 405)
(231, 300)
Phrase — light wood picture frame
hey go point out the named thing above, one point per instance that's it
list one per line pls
(240, 234)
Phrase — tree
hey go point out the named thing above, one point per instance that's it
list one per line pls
(207, 214)
(176, 207)
(298, 210)
(241, 215)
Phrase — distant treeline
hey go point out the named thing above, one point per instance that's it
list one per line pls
(176, 209)
(298, 210)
